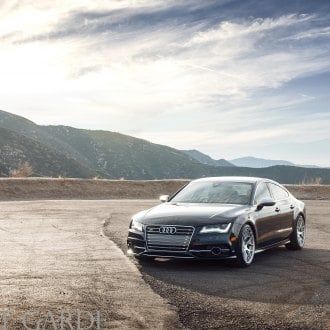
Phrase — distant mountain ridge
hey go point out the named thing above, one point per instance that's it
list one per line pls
(249, 161)
(205, 159)
(78, 153)
(259, 162)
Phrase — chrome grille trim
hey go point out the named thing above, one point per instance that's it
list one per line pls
(179, 241)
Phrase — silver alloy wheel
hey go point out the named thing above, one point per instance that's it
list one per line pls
(301, 231)
(248, 244)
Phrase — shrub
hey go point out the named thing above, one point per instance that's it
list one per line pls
(22, 171)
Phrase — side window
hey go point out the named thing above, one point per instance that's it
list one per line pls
(262, 191)
(278, 192)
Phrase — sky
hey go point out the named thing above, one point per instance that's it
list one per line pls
(229, 78)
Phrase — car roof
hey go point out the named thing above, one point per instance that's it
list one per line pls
(246, 179)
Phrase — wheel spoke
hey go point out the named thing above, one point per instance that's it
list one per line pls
(250, 240)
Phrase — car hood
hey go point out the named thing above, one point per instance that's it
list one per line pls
(191, 214)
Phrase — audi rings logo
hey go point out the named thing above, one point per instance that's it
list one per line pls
(167, 230)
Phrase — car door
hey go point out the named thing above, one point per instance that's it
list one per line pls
(266, 218)
(283, 222)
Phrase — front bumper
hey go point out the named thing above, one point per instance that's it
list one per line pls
(201, 246)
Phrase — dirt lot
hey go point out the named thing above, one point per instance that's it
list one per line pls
(56, 260)
(46, 189)
(50, 189)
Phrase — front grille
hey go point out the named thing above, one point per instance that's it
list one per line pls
(179, 241)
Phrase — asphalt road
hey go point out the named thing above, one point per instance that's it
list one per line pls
(57, 260)
(281, 290)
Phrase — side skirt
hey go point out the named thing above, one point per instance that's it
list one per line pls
(272, 246)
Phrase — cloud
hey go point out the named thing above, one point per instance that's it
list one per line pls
(174, 66)
(323, 32)
(228, 30)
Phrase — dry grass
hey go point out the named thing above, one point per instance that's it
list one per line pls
(312, 181)
(23, 170)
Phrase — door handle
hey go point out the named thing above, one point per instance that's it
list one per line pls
(277, 210)
(291, 207)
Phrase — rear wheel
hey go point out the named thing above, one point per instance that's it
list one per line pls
(297, 238)
(245, 248)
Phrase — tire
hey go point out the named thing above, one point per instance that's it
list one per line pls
(298, 236)
(245, 248)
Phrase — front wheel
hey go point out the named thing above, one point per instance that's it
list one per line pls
(246, 245)
(297, 238)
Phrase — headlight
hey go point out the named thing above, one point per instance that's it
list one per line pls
(221, 228)
(138, 226)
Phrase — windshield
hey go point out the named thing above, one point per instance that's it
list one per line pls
(215, 192)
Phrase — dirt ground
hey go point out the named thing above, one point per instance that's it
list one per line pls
(13, 189)
(58, 259)
(49, 189)
(57, 267)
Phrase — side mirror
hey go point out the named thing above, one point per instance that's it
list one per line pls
(164, 198)
(266, 201)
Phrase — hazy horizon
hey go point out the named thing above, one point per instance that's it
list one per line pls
(228, 78)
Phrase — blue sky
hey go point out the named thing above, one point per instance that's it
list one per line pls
(230, 78)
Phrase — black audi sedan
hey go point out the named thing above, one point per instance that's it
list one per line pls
(219, 217)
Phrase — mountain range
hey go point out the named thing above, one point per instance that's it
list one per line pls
(249, 161)
(70, 152)
(259, 162)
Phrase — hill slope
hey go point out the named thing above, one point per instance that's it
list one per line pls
(16, 148)
(95, 153)
(205, 159)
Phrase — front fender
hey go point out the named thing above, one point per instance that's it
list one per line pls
(300, 209)
(241, 221)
